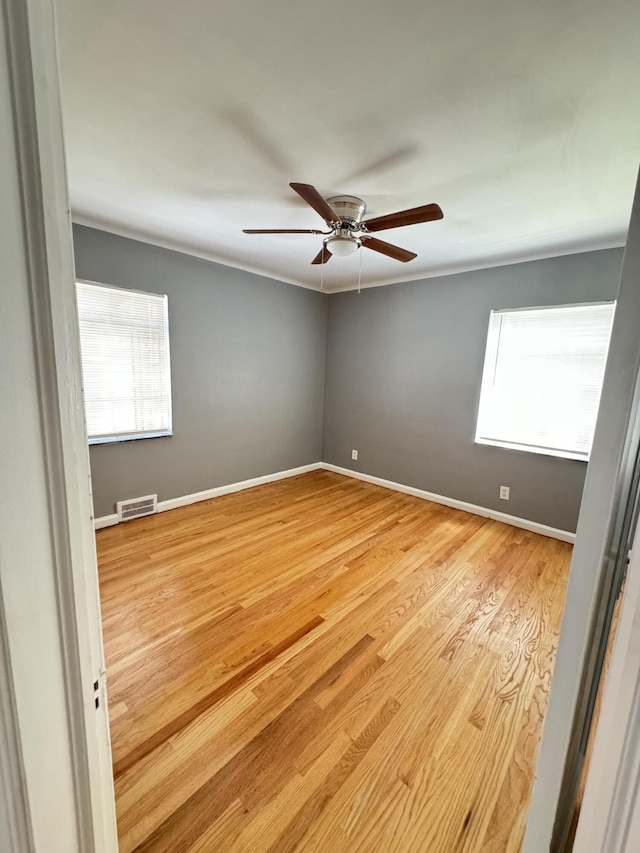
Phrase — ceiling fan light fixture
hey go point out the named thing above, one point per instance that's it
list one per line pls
(342, 246)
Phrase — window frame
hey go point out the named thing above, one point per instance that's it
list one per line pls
(530, 448)
(116, 438)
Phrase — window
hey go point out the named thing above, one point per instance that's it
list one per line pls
(124, 338)
(543, 373)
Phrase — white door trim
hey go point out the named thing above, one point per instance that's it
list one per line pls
(14, 801)
(69, 588)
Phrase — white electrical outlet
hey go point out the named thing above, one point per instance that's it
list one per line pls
(504, 493)
(354, 454)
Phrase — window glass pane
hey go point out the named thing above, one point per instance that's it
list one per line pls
(125, 361)
(542, 377)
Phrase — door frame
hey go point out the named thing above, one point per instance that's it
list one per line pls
(56, 746)
(610, 814)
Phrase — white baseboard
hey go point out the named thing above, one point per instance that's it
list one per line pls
(185, 500)
(513, 520)
(174, 503)
(105, 521)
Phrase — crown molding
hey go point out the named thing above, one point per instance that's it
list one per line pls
(177, 246)
(612, 241)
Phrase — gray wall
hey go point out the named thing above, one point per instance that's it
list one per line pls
(404, 365)
(247, 368)
(403, 370)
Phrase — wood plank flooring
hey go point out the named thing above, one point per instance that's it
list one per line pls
(322, 664)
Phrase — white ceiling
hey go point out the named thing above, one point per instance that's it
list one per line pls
(185, 122)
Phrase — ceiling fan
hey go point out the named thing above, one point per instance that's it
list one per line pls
(348, 232)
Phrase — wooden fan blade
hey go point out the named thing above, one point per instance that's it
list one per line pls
(426, 213)
(322, 257)
(280, 231)
(389, 249)
(314, 199)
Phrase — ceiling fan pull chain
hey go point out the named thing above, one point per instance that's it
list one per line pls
(322, 271)
(359, 268)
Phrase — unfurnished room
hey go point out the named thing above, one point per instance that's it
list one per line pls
(328, 314)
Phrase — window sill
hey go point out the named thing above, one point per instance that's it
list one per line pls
(539, 451)
(116, 439)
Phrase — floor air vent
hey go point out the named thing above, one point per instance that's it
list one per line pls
(137, 507)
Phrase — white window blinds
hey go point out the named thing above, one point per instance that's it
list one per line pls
(542, 378)
(124, 339)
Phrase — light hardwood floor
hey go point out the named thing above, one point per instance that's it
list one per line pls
(320, 664)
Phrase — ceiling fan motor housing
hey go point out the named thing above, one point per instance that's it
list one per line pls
(349, 208)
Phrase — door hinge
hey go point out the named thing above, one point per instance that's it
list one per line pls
(99, 692)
